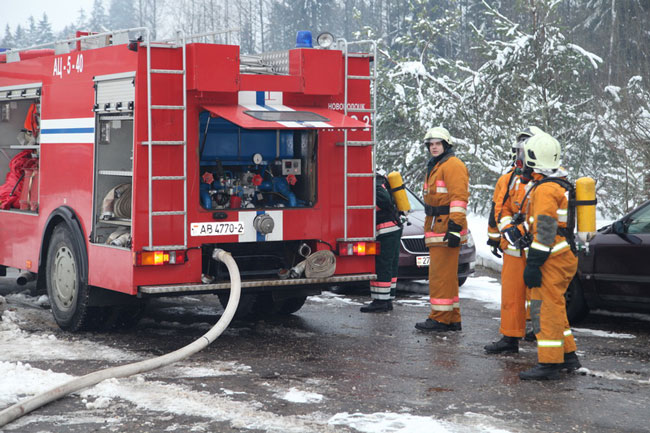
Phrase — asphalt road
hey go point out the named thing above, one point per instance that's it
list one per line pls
(356, 363)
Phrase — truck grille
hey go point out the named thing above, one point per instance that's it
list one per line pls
(414, 245)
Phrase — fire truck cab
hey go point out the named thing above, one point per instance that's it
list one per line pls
(127, 162)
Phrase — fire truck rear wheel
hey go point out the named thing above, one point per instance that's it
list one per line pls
(69, 295)
(290, 305)
(246, 307)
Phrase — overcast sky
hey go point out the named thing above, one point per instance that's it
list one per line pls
(59, 12)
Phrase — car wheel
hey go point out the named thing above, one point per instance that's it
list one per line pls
(576, 307)
(69, 295)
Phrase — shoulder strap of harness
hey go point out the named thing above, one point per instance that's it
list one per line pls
(568, 232)
(507, 194)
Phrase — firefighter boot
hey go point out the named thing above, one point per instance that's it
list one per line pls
(542, 372)
(433, 325)
(456, 326)
(377, 306)
(505, 345)
(571, 362)
(530, 336)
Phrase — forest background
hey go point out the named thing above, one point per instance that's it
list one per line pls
(578, 69)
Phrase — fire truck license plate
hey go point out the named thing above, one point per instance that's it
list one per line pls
(217, 229)
(422, 261)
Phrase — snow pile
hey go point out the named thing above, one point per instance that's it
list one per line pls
(598, 333)
(20, 380)
(16, 344)
(297, 396)
(387, 422)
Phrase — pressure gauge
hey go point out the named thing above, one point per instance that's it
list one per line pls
(257, 158)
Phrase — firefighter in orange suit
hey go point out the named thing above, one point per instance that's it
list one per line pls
(446, 190)
(550, 262)
(508, 193)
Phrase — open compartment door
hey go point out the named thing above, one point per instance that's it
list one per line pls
(283, 117)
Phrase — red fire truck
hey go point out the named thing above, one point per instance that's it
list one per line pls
(128, 161)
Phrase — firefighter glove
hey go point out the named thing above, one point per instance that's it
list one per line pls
(453, 234)
(536, 257)
(512, 235)
(532, 273)
(496, 247)
(532, 276)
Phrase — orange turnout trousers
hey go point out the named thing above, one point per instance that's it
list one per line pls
(506, 201)
(548, 308)
(443, 284)
(513, 297)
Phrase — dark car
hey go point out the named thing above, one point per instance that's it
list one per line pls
(614, 270)
(414, 255)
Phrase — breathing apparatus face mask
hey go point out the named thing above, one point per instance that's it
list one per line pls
(519, 159)
(518, 154)
(526, 174)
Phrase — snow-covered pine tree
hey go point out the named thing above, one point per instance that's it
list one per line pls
(624, 125)
(529, 75)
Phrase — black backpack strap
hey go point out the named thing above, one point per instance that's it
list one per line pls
(505, 197)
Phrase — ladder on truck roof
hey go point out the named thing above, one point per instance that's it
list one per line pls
(180, 41)
(372, 54)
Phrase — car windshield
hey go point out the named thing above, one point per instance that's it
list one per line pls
(415, 202)
(639, 221)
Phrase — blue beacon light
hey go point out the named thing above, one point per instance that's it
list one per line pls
(303, 39)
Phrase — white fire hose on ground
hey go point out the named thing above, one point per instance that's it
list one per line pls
(19, 409)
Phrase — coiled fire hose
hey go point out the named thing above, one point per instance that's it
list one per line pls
(321, 264)
(19, 409)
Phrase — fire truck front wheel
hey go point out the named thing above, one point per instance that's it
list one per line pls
(69, 295)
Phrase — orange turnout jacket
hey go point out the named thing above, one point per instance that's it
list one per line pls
(548, 211)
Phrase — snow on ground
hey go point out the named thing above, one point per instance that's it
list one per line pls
(297, 396)
(18, 344)
(613, 376)
(406, 423)
(484, 289)
(598, 333)
(333, 298)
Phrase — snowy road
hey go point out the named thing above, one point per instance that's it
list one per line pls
(327, 368)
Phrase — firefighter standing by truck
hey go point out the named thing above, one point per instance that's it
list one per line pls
(508, 193)
(446, 191)
(389, 232)
(550, 261)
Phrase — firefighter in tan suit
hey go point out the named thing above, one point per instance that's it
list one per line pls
(508, 193)
(446, 190)
(550, 262)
